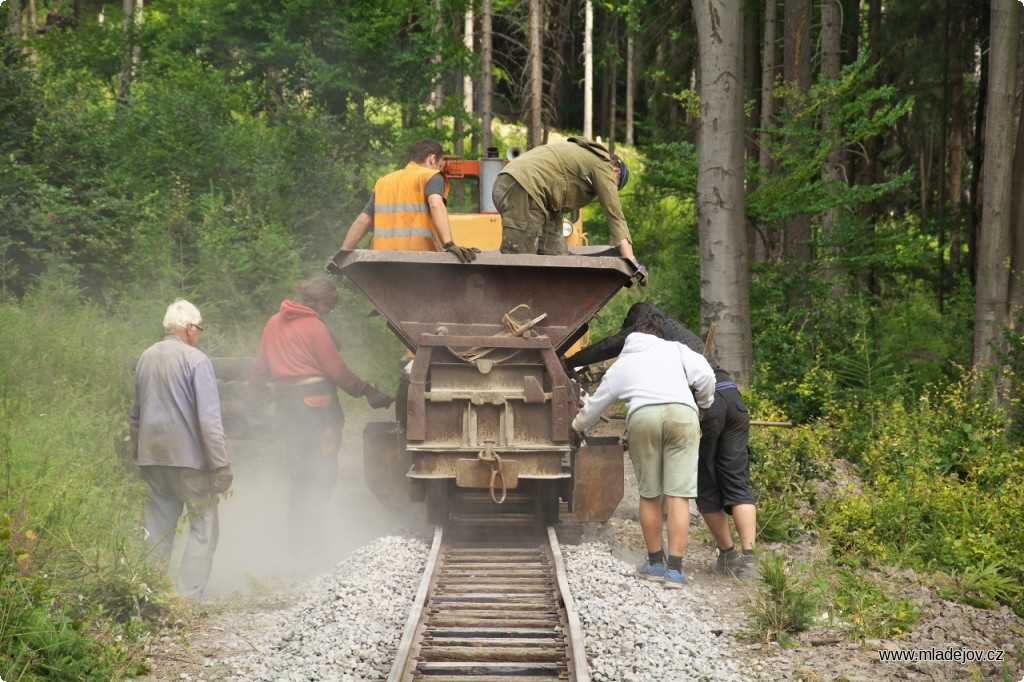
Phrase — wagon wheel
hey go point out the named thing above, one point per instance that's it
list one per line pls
(547, 502)
(437, 501)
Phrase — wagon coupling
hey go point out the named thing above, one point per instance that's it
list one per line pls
(488, 455)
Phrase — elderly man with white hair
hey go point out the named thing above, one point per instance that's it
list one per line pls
(178, 441)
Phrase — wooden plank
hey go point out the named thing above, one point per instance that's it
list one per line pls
(483, 654)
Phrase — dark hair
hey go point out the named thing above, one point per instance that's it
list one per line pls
(649, 324)
(638, 310)
(421, 149)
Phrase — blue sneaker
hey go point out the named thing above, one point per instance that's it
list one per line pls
(674, 578)
(651, 571)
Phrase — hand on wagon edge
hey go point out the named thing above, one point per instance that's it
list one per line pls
(642, 271)
(377, 398)
(466, 254)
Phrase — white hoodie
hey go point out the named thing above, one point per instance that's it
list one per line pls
(651, 371)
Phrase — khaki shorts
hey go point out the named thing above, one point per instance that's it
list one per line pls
(664, 442)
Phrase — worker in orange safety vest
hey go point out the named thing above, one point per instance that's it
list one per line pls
(407, 209)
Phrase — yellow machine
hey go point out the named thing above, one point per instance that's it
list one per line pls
(471, 212)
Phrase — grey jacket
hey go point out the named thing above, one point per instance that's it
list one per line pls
(175, 419)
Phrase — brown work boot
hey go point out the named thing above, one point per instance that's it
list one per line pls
(725, 562)
(746, 567)
(736, 564)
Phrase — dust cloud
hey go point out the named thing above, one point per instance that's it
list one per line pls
(254, 553)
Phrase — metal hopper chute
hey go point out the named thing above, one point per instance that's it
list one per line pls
(421, 292)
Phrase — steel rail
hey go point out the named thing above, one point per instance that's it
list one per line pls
(402, 657)
(574, 637)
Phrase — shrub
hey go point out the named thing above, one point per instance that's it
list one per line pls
(866, 610)
(785, 604)
(41, 637)
(785, 464)
(947, 493)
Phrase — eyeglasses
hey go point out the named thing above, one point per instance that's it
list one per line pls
(196, 326)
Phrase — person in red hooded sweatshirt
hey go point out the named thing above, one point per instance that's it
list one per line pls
(298, 360)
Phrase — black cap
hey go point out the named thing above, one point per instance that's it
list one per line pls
(624, 172)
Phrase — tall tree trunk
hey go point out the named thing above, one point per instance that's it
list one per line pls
(630, 86)
(437, 95)
(956, 144)
(613, 80)
(588, 71)
(14, 25)
(751, 76)
(768, 237)
(486, 74)
(1016, 308)
(832, 173)
(467, 83)
(535, 127)
(556, 83)
(797, 73)
(869, 171)
(724, 271)
(950, 152)
(995, 269)
(130, 54)
(977, 155)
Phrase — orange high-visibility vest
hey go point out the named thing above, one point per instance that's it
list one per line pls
(401, 216)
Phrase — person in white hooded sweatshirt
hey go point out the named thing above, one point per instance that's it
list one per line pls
(663, 384)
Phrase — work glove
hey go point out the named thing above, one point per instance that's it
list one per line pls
(465, 254)
(377, 398)
(641, 271)
(576, 439)
(220, 480)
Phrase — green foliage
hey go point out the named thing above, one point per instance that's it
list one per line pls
(947, 491)
(865, 609)
(1013, 361)
(791, 596)
(42, 636)
(844, 111)
(74, 583)
(665, 235)
(985, 585)
(785, 465)
(785, 603)
(853, 349)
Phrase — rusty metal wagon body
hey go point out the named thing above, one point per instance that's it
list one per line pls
(485, 407)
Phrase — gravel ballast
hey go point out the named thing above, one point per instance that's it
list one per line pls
(348, 626)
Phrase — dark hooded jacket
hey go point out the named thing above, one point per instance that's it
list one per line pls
(611, 347)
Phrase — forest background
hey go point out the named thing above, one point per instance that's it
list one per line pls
(218, 151)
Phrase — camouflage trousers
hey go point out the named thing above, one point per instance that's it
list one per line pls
(526, 227)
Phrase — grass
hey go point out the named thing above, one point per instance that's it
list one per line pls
(76, 588)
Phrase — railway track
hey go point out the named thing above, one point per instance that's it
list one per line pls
(492, 610)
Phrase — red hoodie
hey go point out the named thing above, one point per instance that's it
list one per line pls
(297, 345)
